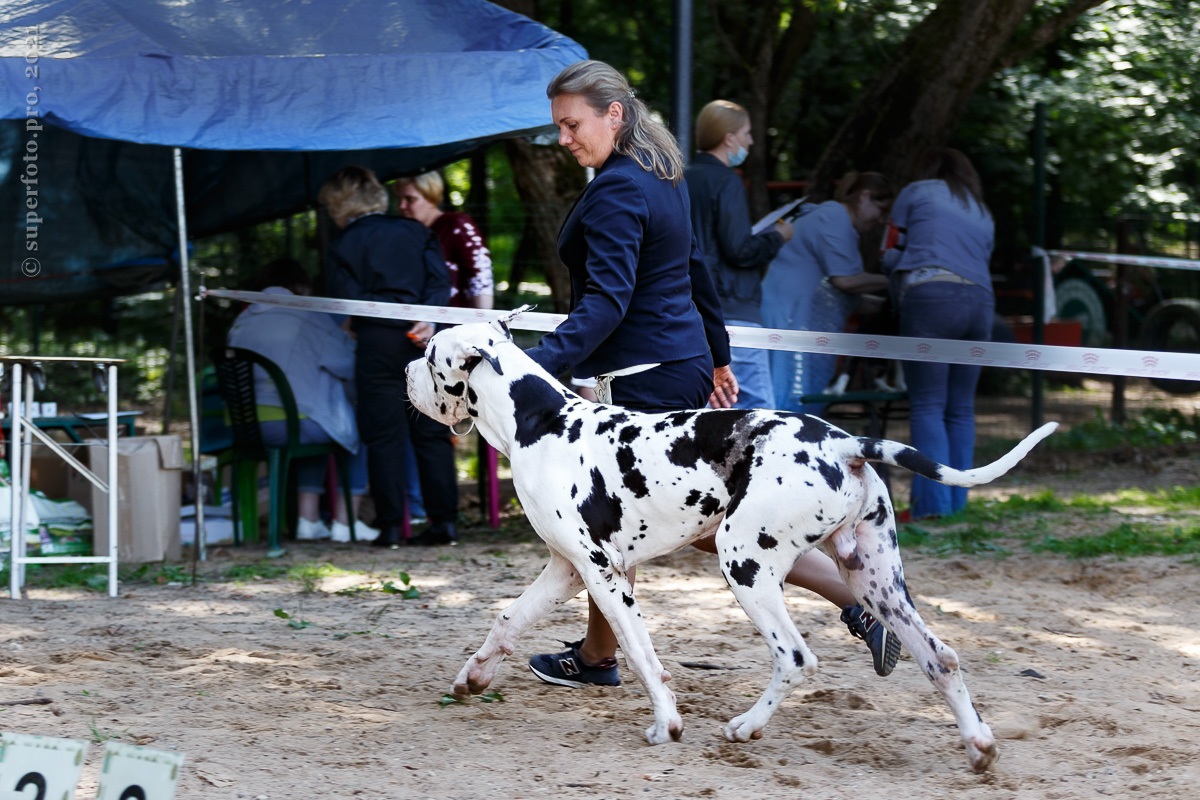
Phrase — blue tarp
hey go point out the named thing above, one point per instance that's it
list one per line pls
(270, 97)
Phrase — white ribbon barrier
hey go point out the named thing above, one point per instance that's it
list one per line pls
(1089, 360)
(1122, 258)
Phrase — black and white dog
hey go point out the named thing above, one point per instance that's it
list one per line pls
(608, 489)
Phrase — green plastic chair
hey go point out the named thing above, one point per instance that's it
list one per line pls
(235, 376)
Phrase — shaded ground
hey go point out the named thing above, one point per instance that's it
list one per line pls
(1087, 670)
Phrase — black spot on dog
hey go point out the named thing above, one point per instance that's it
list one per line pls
(629, 434)
(744, 572)
(574, 431)
(599, 559)
(601, 511)
(631, 476)
(474, 398)
(448, 363)
(812, 430)
(680, 418)
(661, 425)
(737, 481)
(692, 498)
(872, 449)
(457, 389)
(798, 658)
(832, 474)
(802, 457)
(443, 408)
(626, 599)
(684, 452)
(710, 506)
(574, 491)
(611, 423)
(918, 462)
(813, 537)
(538, 409)
(767, 542)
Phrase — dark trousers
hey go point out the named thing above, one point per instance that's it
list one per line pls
(386, 419)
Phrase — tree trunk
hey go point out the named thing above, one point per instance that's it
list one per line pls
(547, 180)
(764, 54)
(916, 100)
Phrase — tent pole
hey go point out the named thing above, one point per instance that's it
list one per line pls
(198, 547)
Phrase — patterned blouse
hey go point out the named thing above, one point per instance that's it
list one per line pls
(467, 257)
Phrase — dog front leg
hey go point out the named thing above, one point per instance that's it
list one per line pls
(614, 597)
(558, 583)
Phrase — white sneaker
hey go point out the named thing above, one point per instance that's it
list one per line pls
(311, 530)
(340, 532)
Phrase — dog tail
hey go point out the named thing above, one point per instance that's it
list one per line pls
(901, 455)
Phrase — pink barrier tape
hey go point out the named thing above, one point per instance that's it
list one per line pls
(1054, 358)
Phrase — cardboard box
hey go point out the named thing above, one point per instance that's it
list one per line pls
(149, 470)
(49, 473)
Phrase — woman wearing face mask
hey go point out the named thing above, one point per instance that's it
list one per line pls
(736, 258)
(817, 279)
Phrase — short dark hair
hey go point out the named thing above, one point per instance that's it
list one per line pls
(285, 272)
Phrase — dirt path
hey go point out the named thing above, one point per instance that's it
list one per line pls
(1087, 671)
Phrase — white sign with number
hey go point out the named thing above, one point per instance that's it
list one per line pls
(39, 767)
(136, 773)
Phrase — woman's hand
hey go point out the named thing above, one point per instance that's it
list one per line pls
(420, 332)
(725, 388)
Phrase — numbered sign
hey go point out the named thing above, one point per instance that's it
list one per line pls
(135, 773)
(39, 767)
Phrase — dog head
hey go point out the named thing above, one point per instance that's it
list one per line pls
(438, 383)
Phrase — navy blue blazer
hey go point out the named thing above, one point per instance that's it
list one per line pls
(640, 293)
(388, 260)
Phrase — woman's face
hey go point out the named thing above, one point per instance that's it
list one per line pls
(588, 135)
(741, 138)
(868, 211)
(412, 204)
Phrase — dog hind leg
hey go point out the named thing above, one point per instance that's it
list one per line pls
(558, 583)
(869, 560)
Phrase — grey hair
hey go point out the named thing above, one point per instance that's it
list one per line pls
(641, 137)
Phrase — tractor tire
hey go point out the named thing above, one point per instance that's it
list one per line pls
(1173, 326)
(1078, 301)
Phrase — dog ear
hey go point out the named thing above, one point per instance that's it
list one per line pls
(501, 323)
(477, 354)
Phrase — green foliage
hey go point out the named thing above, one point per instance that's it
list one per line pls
(262, 570)
(971, 540)
(1127, 539)
(1154, 427)
(406, 590)
(487, 697)
(297, 622)
(310, 575)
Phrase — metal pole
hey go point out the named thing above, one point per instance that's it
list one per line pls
(1037, 411)
(198, 549)
(681, 75)
(16, 549)
(114, 489)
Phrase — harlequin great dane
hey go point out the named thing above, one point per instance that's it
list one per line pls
(608, 489)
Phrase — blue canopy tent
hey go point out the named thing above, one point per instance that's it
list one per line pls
(126, 123)
(97, 92)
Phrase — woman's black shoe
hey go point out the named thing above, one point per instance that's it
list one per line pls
(437, 534)
(389, 536)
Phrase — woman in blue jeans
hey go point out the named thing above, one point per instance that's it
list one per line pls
(940, 274)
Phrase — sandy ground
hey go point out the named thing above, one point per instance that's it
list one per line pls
(1087, 671)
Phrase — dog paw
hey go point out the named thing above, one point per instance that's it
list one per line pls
(982, 752)
(663, 732)
(742, 729)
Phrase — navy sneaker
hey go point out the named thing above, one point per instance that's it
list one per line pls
(569, 669)
(885, 647)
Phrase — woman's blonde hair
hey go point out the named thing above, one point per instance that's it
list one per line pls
(351, 193)
(641, 137)
(429, 184)
(716, 120)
